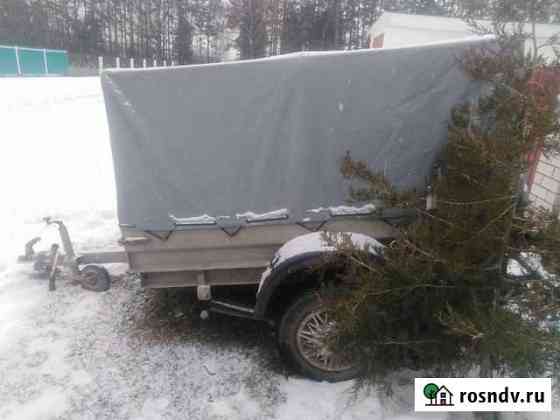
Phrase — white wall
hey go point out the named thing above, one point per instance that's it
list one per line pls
(403, 29)
(546, 188)
(400, 37)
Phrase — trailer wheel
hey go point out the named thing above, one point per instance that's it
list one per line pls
(304, 335)
(95, 278)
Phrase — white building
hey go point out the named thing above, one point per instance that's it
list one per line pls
(399, 30)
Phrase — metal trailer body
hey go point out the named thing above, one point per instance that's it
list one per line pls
(211, 256)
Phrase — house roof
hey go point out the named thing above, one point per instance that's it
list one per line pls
(443, 387)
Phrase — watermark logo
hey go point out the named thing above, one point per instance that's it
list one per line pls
(438, 396)
(483, 394)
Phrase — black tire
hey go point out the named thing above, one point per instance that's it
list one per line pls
(95, 278)
(292, 323)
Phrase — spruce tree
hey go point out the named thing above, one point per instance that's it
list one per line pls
(444, 300)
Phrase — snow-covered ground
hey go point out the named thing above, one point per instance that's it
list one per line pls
(127, 353)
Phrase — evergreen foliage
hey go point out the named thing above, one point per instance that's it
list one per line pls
(442, 300)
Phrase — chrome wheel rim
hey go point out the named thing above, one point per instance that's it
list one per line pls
(89, 279)
(314, 342)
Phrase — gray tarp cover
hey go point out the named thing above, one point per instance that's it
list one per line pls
(261, 135)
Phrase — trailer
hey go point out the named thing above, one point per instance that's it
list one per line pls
(228, 174)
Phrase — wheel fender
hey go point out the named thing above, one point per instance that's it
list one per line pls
(302, 252)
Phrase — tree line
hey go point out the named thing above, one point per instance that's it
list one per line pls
(187, 31)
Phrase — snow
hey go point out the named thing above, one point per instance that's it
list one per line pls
(197, 220)
(317, 210)
(319, 242)
(279, 214)
(349, 210)
(516, 269)
(333, 404)
(344, 210)
(56, 162)
(534, 265)
(271, 215)
(248, 215)
(128, 353)
(534, 261)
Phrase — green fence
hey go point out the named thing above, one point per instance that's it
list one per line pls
(16, 61)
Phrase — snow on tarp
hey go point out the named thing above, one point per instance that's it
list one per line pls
(226, 139)
(271, 215)
(197, 220)
(344, 210)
